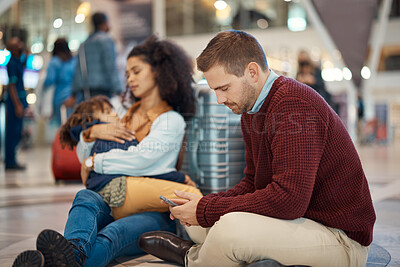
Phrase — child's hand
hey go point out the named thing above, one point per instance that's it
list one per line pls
(189, 181)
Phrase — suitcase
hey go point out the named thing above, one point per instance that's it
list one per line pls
(64, 162)
(215, 153)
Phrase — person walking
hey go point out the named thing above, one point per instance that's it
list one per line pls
(60, 73)
(96, 72)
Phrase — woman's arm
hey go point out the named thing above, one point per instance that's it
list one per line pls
(107, 131)
(157, 153)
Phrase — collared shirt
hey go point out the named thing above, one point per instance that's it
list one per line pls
(157, 153)
(264, 92)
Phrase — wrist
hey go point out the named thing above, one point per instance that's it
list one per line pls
(89, 162)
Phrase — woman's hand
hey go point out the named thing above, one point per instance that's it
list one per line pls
(189, 181)
(116, 132)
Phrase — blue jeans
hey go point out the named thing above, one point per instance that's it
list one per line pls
(104, 239)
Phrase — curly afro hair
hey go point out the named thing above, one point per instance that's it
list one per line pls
(173, 70)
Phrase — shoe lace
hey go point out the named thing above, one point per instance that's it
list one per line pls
(81, 252)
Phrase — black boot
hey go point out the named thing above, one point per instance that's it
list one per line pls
(29, 258)
(58, 251)
(165, 245)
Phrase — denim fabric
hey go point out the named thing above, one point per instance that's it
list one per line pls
(102, 73)
(60, 74)
(104, 239)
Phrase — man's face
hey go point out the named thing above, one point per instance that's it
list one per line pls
(234, 92)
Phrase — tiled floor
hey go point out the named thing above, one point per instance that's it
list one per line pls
(30, 202)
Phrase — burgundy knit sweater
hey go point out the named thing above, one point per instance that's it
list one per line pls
(300, 162)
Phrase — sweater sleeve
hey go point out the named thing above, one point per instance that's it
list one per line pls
(296, 136)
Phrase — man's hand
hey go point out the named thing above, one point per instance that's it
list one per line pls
(186, 211)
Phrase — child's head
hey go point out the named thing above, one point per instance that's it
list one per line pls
(96, 108)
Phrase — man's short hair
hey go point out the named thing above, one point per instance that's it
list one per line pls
(98, 19)
(233, 50)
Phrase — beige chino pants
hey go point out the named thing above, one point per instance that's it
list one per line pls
(241, 238)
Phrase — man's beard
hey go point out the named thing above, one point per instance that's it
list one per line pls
(245, 98)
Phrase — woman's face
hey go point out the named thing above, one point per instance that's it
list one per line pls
(140, 78)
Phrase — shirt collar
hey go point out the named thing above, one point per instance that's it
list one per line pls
(264, 92)
(154, 112)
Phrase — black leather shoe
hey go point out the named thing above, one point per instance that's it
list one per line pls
(29, 258)
(165, 245)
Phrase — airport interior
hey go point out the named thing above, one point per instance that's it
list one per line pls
(353, 44)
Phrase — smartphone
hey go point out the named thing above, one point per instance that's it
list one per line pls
(169, 202)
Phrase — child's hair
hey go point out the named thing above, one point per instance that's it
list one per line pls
(82, 115)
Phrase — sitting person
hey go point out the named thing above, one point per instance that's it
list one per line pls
(159, 75)
(99, 110)
(304, 198)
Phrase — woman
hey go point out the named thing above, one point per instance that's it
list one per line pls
(159, 75)
(60, 73)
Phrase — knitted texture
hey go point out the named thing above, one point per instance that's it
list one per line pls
(300, 162)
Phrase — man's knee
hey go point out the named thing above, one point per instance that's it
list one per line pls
(227, 230)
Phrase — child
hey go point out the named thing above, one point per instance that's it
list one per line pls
(98, 110)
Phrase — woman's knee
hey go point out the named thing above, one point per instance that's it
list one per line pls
(89, 198)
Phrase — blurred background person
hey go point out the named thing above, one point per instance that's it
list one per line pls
(15, 102)
(310, 74)
(60, 73)
(96, 72)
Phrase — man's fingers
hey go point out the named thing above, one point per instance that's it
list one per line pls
(179, 201)
(185, 195)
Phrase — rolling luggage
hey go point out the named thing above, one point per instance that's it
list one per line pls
(64, 162)
(215, 153)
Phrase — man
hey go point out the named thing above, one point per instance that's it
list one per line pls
(96, 72)
(304, 199)
(15, 102)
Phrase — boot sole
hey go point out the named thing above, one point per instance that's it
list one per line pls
(57, 251)
(29, 258)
